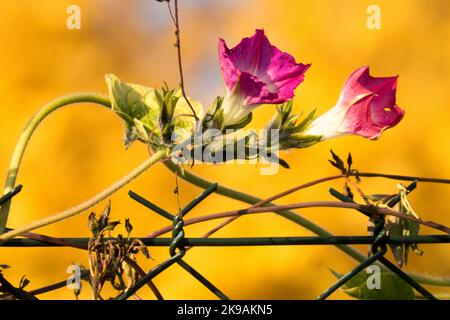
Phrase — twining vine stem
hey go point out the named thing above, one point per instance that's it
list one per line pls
(159, 155)
(321, 180)
(28, 131)
(234, 194)
(273, 198)
(19, 153)
(176, 21)
(304, 205)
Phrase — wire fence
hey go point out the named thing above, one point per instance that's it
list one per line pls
(178, 246)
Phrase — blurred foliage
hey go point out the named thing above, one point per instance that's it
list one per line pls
(79, 151)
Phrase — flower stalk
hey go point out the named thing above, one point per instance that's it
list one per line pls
(28, 131)
(157, 156)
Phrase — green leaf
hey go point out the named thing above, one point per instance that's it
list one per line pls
(394, 227)
(149, 113)
(131, 101)
(391, 287)
(134, 102)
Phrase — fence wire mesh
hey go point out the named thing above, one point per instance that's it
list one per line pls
(178, 246)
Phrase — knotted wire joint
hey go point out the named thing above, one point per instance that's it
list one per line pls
(178, 239)
(379, 247)
(380, 235)
(177, 236)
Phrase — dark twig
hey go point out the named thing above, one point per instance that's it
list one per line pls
(176, 22)
(17, 292)
(45, 289)
(49, 288)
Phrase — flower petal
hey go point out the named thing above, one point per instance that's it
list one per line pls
(366, 107)
(229, 72)
(254, 91)
(365, 120)
(360, 84)
(267, 75)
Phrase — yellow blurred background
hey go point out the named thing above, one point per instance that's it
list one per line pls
(78, 151)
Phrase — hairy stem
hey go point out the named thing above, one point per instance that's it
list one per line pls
(28, 131)
(157, 156)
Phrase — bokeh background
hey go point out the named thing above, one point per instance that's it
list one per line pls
(78, 151)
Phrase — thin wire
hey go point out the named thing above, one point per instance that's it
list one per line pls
(177, 187)
(176, 22)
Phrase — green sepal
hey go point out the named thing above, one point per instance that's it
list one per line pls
(241, 124)
(290, 132)
(150, 115)
(298, 140)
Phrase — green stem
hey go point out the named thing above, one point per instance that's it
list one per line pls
(89, 203)
(290, 215)
(237, 195)
(28, 132)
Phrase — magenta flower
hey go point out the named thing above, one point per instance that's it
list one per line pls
(366, 107)
(256, 72)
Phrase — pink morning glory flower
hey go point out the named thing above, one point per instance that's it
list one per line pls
(256, 72)
(366, 107)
